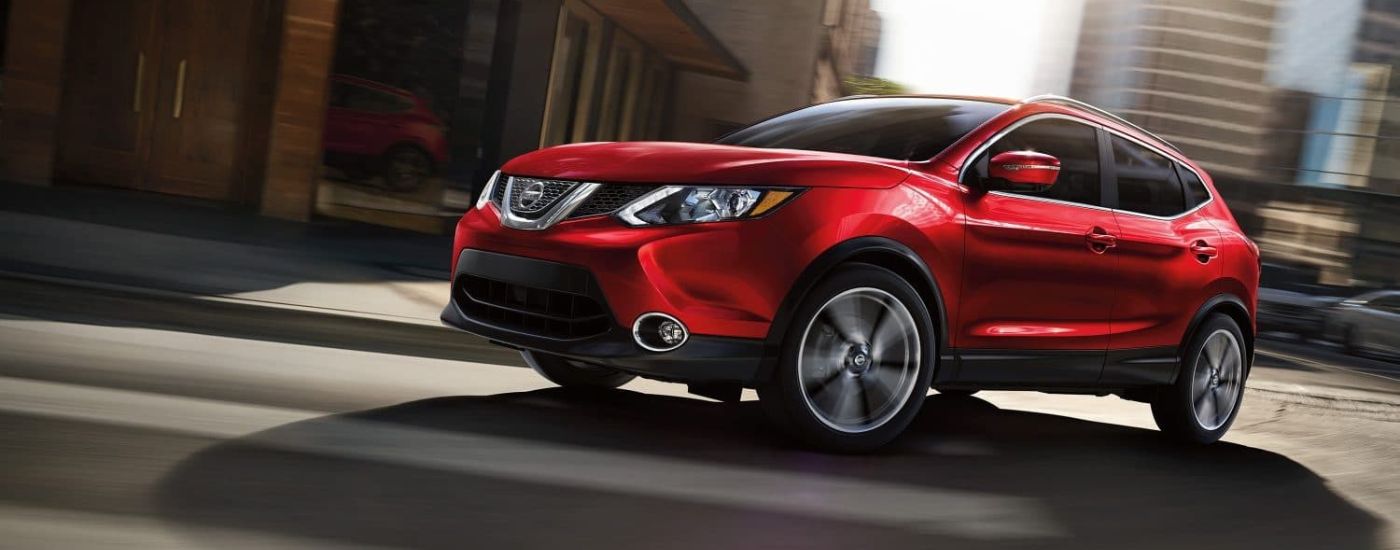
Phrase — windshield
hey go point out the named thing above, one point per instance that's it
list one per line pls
(899, 128)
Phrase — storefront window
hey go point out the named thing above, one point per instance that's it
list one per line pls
(403, 111)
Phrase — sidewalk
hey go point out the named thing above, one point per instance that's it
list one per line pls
(166, 245)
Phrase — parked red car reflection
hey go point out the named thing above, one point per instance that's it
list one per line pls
(373, 129)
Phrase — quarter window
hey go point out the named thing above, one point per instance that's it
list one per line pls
(1195, 189)
(1147, 180)
(1074, 144)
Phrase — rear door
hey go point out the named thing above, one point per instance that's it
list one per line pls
(1168, 257)
(1037, 292)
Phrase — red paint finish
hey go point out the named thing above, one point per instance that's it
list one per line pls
(1033, 279)
(1014, 272)
(673, 162)
(1025, 167)
(1159, 278)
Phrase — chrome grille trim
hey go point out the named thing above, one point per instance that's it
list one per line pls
(558, 199)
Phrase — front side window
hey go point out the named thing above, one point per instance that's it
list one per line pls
(1147, 180)
(899, 128)
(1073, 143)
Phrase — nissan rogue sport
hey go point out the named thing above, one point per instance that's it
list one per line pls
(844, 258)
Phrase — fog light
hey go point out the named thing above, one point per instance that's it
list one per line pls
(671, 333)
(659, 332)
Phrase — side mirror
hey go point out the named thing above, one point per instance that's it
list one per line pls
(1038, 170)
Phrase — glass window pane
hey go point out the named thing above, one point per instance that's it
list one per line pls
(1147, 181)
(1195, 189)
(899, 128)
(1074, 144)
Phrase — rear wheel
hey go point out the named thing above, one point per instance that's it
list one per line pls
(1203, 403)
(573, 374)
(407, 168)
(856, 362)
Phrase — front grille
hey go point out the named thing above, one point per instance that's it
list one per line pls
(532, 198)
(498, 193)
(610, 198)
(544, 312)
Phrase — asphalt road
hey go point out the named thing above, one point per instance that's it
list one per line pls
(162, 422)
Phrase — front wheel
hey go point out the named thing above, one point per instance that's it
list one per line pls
(1202, 404)
(573, 374)
(856, 362)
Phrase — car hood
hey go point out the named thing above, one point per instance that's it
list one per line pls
(674, 162)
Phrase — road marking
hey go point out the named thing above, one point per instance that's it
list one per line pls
(922, 509)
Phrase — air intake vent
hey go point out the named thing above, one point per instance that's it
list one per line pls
(609, 198)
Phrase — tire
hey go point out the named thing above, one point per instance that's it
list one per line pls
(573, 374)
(406, 168)
(879, 377)
(958, 392)
(1200, 407)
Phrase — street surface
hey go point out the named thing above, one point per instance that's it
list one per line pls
(142, 421)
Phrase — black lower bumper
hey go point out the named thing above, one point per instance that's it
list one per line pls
(700, 359)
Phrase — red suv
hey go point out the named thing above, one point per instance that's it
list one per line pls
(844, 258)
(374, 128)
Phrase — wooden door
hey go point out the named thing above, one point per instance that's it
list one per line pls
(109, 92)
(197, 147)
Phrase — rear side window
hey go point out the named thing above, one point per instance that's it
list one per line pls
(1074, 144)
(1194, 188)
(1147, 180)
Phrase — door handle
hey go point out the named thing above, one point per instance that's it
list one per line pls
(140, 71)
(1203, 251)
(1099, 240)
(179, 90)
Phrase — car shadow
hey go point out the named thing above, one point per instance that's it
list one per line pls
(605, 469)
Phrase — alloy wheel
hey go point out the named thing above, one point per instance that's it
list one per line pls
(859, 360)
(1217, 379)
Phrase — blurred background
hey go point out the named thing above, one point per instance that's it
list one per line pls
(395, 112)
(224, 245)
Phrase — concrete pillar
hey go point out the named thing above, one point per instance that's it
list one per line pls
(299, 109)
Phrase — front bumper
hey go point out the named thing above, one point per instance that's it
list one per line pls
(554, 330)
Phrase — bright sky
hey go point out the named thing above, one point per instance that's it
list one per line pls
(1009, 48)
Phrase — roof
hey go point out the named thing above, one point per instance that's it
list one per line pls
(1046, 99)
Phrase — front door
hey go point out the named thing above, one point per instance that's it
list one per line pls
(155, 94)
(1039, 272)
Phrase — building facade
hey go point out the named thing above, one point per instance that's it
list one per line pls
(799, 51)
(380, 110)
(1194, 71)
(1291, 105)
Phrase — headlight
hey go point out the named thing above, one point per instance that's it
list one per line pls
(677, 204)
(488, 190)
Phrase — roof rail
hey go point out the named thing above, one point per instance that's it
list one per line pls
(1075, 103)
